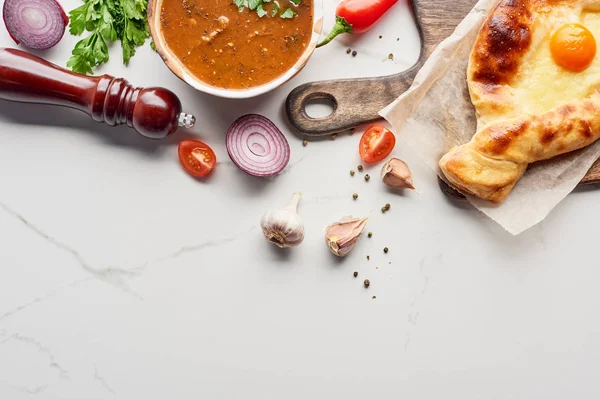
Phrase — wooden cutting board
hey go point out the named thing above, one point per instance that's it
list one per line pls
(436, 20)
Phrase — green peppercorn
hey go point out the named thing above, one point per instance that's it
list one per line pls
(352, 172)
(348, 50)
(360, 167)
(367, 177)
(304, 143)
(387, 206)
(355, 196)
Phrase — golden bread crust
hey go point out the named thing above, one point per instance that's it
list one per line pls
(503, 39)
(497, 156)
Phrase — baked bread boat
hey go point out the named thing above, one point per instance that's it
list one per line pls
(533, 77)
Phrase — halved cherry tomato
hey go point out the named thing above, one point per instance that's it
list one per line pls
(376, 144)
(196, 157)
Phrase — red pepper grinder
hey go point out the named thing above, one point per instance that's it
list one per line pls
(153, 112)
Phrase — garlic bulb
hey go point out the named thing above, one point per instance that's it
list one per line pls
(284, 227)
(341, 236)
(395, 174)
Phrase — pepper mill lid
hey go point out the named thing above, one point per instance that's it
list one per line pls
(157, 113)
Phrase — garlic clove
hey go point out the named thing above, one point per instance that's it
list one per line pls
(284, 227)
(341, 236)
(396, 174)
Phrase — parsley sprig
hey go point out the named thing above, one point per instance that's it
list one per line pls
(107, 21)
(259, 7)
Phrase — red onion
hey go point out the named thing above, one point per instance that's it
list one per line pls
(257, 146)
(37, 24)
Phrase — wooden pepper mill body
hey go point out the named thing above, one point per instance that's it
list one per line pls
(153, 112)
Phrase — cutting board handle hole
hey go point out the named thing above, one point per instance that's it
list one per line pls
(319, 105)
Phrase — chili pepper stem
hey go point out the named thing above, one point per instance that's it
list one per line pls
(341, 26)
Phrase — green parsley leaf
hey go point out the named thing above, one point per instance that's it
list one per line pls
(239, 4)
(106, 25)
(260, 11)
(88, 53)
(275, 9)
(77, 18)
(93, 14)
(134, 35)
(296, 2)
(107, 21)
(253, 4)
(135, 9)
(289, 13)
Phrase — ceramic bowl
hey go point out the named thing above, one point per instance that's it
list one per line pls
(177, 67)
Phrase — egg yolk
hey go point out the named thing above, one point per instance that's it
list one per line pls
(573, 47)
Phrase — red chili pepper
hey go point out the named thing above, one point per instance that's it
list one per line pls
(356, 16)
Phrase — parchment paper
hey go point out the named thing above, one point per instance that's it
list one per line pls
(436, 114)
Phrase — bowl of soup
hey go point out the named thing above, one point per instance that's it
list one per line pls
(224, 48)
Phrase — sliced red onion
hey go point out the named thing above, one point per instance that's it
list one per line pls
(37, 24)
(257, 146)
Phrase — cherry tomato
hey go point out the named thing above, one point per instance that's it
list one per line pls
(196, 157)
(376, 144)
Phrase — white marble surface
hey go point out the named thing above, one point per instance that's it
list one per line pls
(123, 278)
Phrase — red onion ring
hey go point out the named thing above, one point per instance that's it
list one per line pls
(37, 24)
(257, 146)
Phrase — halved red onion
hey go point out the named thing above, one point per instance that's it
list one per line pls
(257, 146)
(37, 24)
